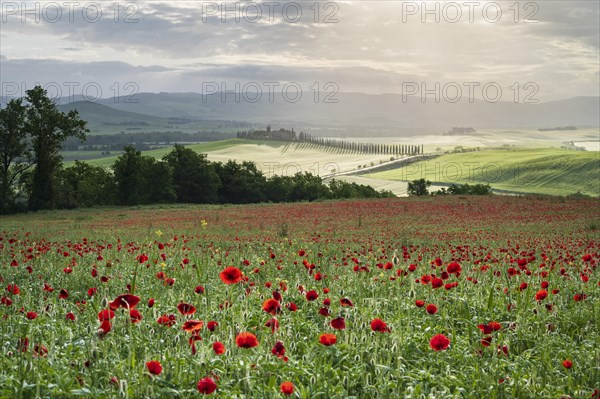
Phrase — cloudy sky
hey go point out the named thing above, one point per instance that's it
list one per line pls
(361, 46)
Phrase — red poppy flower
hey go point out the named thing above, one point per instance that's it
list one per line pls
(541, 295)
(439, 342)
(40, 351)
(579, 297)
(287, 388)
(485, 328)
(278, 350)
(246, 340)
(154, 367)
(135, 316)
(379, 326)
(338, 323)
(312, 295)
(206, 386)
(186, 308)
(212, 325)
(486, 341)
(494, 325)
(64, 294)
(327, 339)
(453, 268)
(192, 325)
(273, 324)
(166, 320)
(271, 306)
(325, 312)
(219, 348)
(523, 286)
(419, 303)
(292, 307)
(199, 290)
(567, 363)
(301, 252)
(150, 302)
(70, 316)
(105, 328)
(125, 301)
(32, 315)
(437, 282)
(106, 314)
(431, 309)
(346, 302)
(231, 275)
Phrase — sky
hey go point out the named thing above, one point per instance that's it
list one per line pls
(542, 50)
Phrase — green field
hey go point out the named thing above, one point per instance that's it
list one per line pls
(549, 171)
(107, 161)
(423, 297)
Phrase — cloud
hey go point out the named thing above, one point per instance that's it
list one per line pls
(374, 46)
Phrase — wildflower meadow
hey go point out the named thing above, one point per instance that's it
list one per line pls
(442, 297)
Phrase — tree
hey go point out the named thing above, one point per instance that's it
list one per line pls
(419, 187)
(48, 128)
(86, 185)
(142, 179)
(194, 177)
(15, 155)
(241, 183)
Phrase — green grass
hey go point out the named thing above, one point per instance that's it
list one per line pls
(542, 171)
(107, 161)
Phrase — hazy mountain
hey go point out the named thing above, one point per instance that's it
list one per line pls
(103, 119)
(378, 114)
(353, 114)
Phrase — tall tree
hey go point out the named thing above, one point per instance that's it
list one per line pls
(142, 179)
(418, 187)
(15, 155)
(194, 177)
(48, 128)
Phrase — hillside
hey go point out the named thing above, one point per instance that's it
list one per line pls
(358, 113)
(543, 171)
(109, 118)
(272, 157)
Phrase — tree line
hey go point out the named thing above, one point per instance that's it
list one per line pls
(32, 176)
(343, 145)
(141, 141)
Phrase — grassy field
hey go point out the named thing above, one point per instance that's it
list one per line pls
(442, 297)
(545, 171)
(272, 157)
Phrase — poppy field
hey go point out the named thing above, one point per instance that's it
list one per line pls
(442, 297)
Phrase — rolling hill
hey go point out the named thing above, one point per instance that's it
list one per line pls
(542, 171)
(104, 119)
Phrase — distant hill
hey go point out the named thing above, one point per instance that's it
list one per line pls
(104, 119)
(378, 115)
(355, 114)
